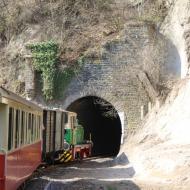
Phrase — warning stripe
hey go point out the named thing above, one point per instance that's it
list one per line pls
(67, 156)
(68, 159)
(61, 156)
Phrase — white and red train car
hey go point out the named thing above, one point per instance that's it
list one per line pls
(30, 135)
(20, 139)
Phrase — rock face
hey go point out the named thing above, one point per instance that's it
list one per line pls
(160, 150)
(176, 28)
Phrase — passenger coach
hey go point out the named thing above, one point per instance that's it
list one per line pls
(20, 139)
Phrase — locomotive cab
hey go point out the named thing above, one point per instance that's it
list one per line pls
(74, 133)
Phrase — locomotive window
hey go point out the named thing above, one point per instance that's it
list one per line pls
(11, 125)
(72, 120)
(66, 117)
(17, 128)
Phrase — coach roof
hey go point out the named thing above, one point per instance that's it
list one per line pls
(4, 93)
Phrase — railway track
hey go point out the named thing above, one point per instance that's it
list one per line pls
(96, 174)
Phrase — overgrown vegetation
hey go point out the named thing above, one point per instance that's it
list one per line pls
(65, 75)
(45, 57)
(55, 79)
(62, 79)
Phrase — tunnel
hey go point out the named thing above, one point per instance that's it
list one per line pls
(100, 121)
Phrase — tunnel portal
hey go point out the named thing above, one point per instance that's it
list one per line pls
(100, 119)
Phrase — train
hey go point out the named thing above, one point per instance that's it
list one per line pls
(31, 135)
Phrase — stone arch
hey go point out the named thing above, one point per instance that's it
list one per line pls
(89, 92)
(100, 120)
(172, 64)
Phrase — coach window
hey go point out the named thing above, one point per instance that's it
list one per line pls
(39, 129)
(36, 118)
(22, 127)
(32, 128)
(26, 128)
(29, 128)
(39, 126)
(17, 128)
(11, 126)
(35, 128)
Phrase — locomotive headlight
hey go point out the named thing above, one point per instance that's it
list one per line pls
(66, 146)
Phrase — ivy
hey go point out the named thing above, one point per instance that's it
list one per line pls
(81, 61)
(63, 78)
(45, 58)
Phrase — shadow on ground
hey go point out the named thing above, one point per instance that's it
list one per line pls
(93, 162)
(93, 185)
(94, 173)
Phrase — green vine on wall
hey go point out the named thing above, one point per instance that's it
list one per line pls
(65, 76)
(45, 55)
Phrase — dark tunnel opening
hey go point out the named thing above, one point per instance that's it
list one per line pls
(100, 119)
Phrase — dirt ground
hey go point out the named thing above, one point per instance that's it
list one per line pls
(95, 174)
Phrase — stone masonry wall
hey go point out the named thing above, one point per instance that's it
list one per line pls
(113, 76)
